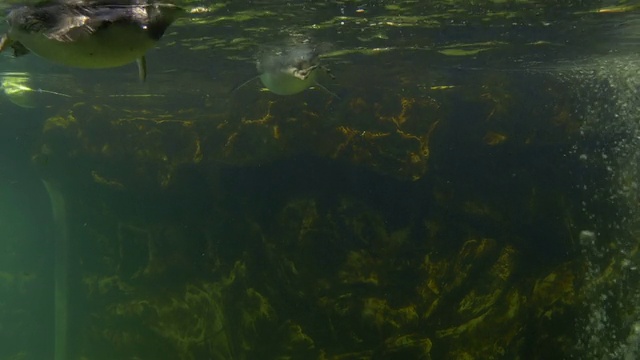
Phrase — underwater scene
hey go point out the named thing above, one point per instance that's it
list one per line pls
(319, 180)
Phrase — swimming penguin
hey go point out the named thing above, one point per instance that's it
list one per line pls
(89, 33)
(290, 70)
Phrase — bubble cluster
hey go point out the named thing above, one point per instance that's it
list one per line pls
(606, 89)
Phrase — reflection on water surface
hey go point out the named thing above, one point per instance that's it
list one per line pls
(469, 193)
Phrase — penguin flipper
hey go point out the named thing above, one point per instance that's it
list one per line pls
(324, 88)
(142, 68)
(238, 87)
(19, 49)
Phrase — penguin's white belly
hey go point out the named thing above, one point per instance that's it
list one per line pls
(110, 47)
(285, 84)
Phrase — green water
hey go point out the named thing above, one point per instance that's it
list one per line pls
(469, 192)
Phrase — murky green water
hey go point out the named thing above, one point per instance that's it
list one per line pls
(468, 191)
